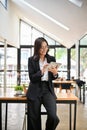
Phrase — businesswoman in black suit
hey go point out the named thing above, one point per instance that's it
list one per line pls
(41, 89)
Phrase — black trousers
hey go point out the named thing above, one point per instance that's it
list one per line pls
(49, 102)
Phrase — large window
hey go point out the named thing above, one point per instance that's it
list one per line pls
(10, 67)
(83, 58)
(28, 36)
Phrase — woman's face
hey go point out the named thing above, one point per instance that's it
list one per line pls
(43, 49)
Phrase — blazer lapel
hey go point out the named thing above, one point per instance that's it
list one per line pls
(37, 65)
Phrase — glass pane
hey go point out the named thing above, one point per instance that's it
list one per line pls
(1, 43)
(83, 63)
(51, 51)
(25, 54)
(1, 65)
(73, 63)
(35, 34)
(4, 3)
(57, 43)
(11, 67)
(25, 37)
(83, 41)
(49, 40)
(61, 57)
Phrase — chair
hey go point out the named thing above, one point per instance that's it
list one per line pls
(66, 86)
(81, 85)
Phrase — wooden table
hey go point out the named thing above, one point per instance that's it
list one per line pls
(69, 98)
(9, 98)
(63, 98)
(77, 88)
(61, 82)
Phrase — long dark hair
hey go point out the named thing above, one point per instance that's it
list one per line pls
(37, 46)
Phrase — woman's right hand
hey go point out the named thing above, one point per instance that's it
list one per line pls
(44, 69)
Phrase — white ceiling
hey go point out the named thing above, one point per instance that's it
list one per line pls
(54, 11)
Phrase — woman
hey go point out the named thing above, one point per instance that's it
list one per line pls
(40, 89)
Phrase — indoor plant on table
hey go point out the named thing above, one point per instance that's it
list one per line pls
(18, 89)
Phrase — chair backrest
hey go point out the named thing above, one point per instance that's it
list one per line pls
(80, 82)
(65, 86)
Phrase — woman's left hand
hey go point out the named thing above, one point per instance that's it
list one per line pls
(53, 70)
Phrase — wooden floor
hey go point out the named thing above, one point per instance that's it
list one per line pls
(16, 116)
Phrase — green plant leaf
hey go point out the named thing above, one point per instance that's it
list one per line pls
(18, 87)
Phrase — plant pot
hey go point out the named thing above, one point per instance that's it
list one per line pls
(19, 92)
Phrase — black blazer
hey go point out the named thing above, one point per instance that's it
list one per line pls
(34, 89)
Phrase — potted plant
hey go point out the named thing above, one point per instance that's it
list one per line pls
(18, 89)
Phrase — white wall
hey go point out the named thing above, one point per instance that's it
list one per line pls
(1, 39)
(9, 24)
